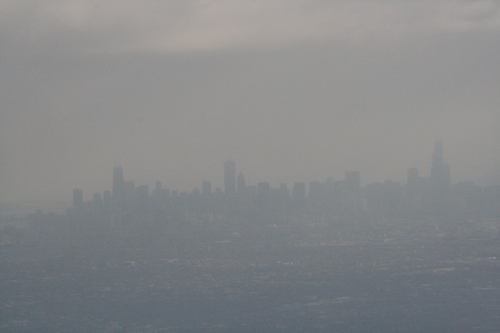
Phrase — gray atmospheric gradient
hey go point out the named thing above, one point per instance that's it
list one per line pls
(290, 90)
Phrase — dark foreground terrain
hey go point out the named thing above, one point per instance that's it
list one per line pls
(406, 276)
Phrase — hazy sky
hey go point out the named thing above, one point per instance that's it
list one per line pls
(290, 90)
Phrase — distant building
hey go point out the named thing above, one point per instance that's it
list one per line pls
(440, 171)
(157, 192)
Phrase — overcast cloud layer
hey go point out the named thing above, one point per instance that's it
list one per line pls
(182, 26)
(291, 90)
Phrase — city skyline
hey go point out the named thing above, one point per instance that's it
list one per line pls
(434, 167)
(334, 202)
(302, 90)
(234, 181)
(233, 178)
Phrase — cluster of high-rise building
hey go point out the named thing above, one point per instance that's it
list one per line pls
(328, 256)
(336, 202)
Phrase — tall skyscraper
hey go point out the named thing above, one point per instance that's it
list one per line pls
(440, 171)
(229, 178)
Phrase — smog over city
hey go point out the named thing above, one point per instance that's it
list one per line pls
(249, 166)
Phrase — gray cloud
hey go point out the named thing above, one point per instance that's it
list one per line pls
(180, 26)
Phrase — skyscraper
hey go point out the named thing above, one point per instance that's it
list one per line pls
(440, 171)
(229, 178)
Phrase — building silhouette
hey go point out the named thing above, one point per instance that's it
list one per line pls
(341, 203)
(440, 171)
